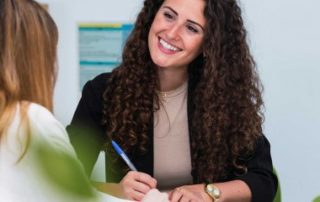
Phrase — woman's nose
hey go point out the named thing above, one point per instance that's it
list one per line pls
(173, 32)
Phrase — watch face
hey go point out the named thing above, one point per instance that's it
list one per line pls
(213, 191)
(216, 193)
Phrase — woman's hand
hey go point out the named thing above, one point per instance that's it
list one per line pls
(194, 193)
(135, 185)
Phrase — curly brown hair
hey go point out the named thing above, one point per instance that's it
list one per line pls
(225, 93)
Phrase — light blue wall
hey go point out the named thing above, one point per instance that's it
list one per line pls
(67, 14)
(285, 40)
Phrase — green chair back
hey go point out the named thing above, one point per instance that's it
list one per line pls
(277, 198)
(317, 199)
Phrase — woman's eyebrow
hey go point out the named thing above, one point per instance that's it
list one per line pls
(176, 13)
(193, 22)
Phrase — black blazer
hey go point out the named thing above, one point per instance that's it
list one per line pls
(87, 135)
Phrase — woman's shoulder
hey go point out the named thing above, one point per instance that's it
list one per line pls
(99, 81)
(102, 77)
(39, 115)
(45, 126)
(94, 88)
(40, 125)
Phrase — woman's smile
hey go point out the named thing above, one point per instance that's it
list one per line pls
(167, 47)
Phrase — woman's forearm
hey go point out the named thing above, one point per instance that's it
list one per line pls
(235, 190)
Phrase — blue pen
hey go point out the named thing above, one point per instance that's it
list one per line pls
(123, 155)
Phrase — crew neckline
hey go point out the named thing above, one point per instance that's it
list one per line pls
(175, 92)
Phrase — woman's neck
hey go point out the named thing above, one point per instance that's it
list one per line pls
(171, 79)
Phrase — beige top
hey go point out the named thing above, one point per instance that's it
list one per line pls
(172, 159)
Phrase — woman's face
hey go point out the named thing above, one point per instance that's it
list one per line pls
(176, 34)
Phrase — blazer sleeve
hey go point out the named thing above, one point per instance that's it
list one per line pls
(86, 131)
(260, 176)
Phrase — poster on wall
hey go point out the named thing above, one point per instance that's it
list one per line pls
(100, 48)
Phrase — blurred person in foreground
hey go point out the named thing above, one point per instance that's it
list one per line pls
(37, 162)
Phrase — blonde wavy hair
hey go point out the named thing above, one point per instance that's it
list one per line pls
(28, 42)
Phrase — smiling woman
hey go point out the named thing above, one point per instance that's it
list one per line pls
(185, 105)
(176, 34)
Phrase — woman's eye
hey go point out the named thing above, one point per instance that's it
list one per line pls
(192, 29)
(168, 16)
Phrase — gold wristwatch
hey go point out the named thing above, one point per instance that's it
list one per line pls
(213, 191)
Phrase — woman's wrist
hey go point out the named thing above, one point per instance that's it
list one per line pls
(206, 197)
(213, 192)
